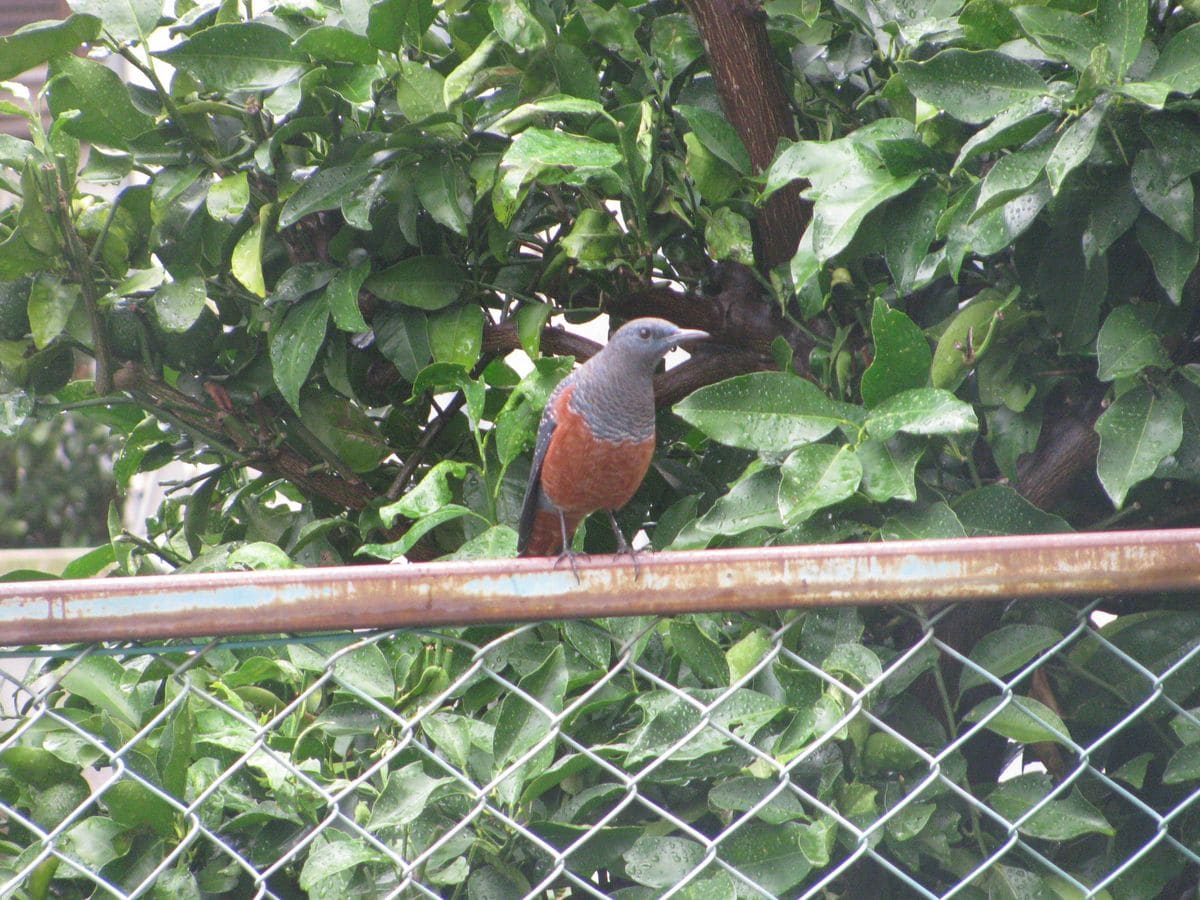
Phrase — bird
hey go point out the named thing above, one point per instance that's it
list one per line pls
(596, 439)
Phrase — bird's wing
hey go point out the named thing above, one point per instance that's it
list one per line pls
(533, 489)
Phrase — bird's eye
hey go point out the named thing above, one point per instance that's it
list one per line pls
(644, 333)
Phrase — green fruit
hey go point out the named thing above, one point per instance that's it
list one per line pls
(49, 370)
(193, 349)
(14, 309)
(125, 332)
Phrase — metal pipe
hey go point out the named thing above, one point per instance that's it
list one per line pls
(510, 590)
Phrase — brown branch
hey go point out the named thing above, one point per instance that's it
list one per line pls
(556, 341)
(753, 97)
(239, 438)
(1066, 449)
(733, 308)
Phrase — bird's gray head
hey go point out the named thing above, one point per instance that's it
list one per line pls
(643, 342)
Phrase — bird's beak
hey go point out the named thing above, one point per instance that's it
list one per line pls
(685, 336)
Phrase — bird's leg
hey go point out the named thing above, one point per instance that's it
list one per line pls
(567, 550)
(623, 546)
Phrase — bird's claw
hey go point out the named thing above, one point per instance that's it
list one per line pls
(569, 555)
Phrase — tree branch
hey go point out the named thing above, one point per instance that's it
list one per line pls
(753, 97)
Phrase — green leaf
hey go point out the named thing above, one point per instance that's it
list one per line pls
(1122, 25)
(135, 806)
(890, 467)
(997, 509)
(1064, 35)
(902, 355)
(594, 240)
(1005, 650)
(106, 114)
(50, 304)
(516, 24)
(520, 726)
(246, 262)
(238, 57)
(1011, 128)
(972, 86)
(531, 319)
(550, 156)
(674, 43)
(391, 24)
(345, 428)
(445, 193)
(921, 411)
(96, 841)
(424, 282)
(1112, 214)
(1164, 193)
(417, 530)
(1075, 285)
(1022, 719)
(329, 43)
(430, 494)
(701, 653)
(34, 222)
(1184, 765)
(406, 795)
(341, 296)
(717, 135)
(40, 43)
(1179, 63)
(1059, 820)
(100, 681)
(1172, 257)
(1010, 177)
(125, 20)
(556, 105)
(741, 793)
(325, 189)
(912, 228)
(229, 197)
(614, 28)
(366, 670)
(728, 235)
(814, 477)
(769, 854)
(937, 520)
(662, 862)
(766, 411)
(295, 345)
(1074, 146)
(456, 335)
(1141, 429)
(751, 503)
(459, 81)
(402, 335)
(178, 304)
(330, 854)
(1127, 343)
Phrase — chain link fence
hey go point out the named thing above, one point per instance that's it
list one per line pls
(818, 753)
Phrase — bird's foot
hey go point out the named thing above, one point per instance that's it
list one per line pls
(623, 546)
(569, 555)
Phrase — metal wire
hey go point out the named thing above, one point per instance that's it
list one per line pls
(398, 738)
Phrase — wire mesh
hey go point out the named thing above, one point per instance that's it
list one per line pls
(798, 754)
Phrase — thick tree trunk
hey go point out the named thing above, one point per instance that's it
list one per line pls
(752, 95)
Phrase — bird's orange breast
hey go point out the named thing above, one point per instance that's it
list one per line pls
(582, 473)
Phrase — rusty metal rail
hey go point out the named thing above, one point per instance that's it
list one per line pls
(511, 590)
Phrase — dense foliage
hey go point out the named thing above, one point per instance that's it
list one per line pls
(305, 235)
